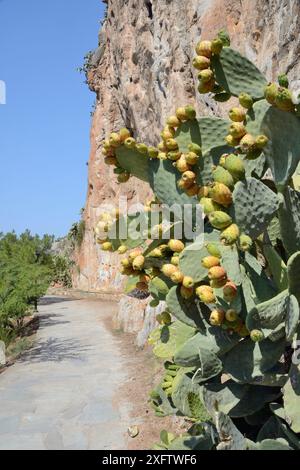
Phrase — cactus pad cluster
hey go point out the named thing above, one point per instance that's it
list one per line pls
(230, 299)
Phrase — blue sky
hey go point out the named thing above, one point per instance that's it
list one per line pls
(44, 126)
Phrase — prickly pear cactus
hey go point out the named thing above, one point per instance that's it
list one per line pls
(229, 296)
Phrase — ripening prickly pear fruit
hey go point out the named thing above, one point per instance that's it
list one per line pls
(213, 250)
(221, 194)
(256, 335)
(237, 114)
(143, 286)
(203, 192)
(133, 254)
(142, 148)
(176, 245)
(122, 249)
(246, 100)
(218, 283)
(130, 143)
(188, 282)
(231, 141)
(195, 148)
(156, 253)
(284, 100)
(230, 291)
(283, 80)
(153, 152)
(231, 315)
(220, 220)
(221, 175)
(210, 261)
(174, 156)
(206, 87)
(209, 205)
(177, 277)
(217, 317)
(245, 242)
(124, 134)
(190, 112)
(181, 114)
(182, 165)
(236, 167)
(123, 177)
(166, 318)
(106, 144)
(191, 158)
(115, 139)
(216, 46)
(230, 235)
(217, 273)
(168, 269)
(182, 184)
(107, 246)
(162, 156)
(205, 75)
(271, 92)
(204, 48)
(171, 144)
(162, 147)
(173, 122)
(175, 260)
(126, 262)
(186, 293)
(237, 130)
(247, 142)
(261, 141)
(201, 62)
(206, 294)
(111, 161)
(192, 190)
(138, 263)
(189, 176)
(168, 133)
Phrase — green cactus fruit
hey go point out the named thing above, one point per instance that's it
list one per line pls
(156, 253)
(231, 315)
(182, 165)
(166, 318)
(236, 167)
(106, 145)
(174, 156)
(247, 142)
(175, 260)
(218, 283)
(107, 246)
(257, 335)
(111, 161)
(206, 87)
(216, 46)
(220, 220)
(230, 291)
(213, 250)
(168, 269)
(188, 282)
(123, 177)
(162, 156)
(230, 235)
(222, 159)
(224, 36)
(153, 152)
(206, 75)
(246, 100)
(122, 249)
(186, 293)
(142, 148)
(271, 92)
(176, 245)
(171, 144)
(181, 114)
(130, 143)
(201, 62)
(167, 133)
(126, 263)
(138, 263)
(221, 194)
(115, 139)
(206, 294)
(190, 112)
(209, 205)
(210, 261)
(284, 100)
(216, 273)
(217, 317)
(159, 319)
(177, 277)
(221, 175)
(245, 242)
(204, 48)
(173, 121)
(283, 80)
(124, 134)
(237, 130)
(222, 97)
(261, 141)
(195, 148)
(237, 114)
(231, 141)
(191, 158)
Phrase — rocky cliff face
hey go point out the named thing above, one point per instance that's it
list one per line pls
(141, 72)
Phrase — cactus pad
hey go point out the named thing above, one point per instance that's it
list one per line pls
(186, 311)
(289, 218)
(208, 132)
(133, 162)
(292, 398)
(167, 340)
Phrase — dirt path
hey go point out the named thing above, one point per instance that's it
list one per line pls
(62, 393)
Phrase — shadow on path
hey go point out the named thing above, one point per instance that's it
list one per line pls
(55, 300)
(55, 350)
(51, 319)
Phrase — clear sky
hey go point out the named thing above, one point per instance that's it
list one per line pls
(44, 126)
